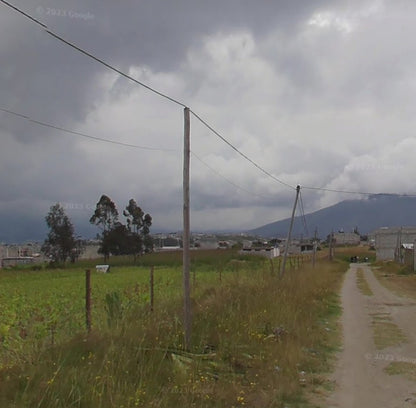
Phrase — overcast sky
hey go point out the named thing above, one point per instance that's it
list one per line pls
(317, 93)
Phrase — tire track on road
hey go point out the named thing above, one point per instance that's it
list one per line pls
(360, 379)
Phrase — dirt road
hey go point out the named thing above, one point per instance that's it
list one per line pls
(379, 332)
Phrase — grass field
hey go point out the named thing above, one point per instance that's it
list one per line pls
(257, 339)
(396, 278)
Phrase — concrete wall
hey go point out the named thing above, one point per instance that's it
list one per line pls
(90, 252)
(346, 238)
(388, 241)
(267, 253)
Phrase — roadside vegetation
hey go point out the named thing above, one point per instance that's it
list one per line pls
(385, 332)
(402, 368)
(257, 340)
(345, 253)
(363, 284)
(396, 277)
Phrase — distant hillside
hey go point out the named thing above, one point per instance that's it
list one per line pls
(377, 211)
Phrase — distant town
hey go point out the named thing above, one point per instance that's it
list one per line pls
(388, 243)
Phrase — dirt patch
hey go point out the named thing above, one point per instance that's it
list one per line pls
(385, 332)
(374, 333)
(402, 368)
(362, 283)
(401, 285)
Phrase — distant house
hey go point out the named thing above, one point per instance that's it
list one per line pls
(169, 244)
(223, 245)
(16, 261)
(269, 252)
(297, 247)
(346, 238)
(306, 248)
(388, 242)
(407, 254)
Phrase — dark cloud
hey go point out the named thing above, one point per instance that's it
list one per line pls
(44, 78)
(305, 101)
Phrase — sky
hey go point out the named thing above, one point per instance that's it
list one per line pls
(319, 94)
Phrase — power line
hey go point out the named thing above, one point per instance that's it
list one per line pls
(163, 95)
(338, 191)
(239, 152)
(25, 14)
(228, 180)
(109, 66)
(330, 190)
(115, 69)
(99, 139)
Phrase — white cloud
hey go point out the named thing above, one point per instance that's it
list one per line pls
(346, 21)
(239, 88)
(330, 20)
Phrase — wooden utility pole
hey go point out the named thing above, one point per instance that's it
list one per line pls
(315, 244)
(152, 290)
(187, 323)
(88, 300)
(289, 235)
(331, 246)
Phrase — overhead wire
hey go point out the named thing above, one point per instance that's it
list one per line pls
(109, 66)
(364, 193)
(88, 54)
(115, 69)
(173, 100)
(240, 152)
(99, 139)
(227, 179)
(25, 14)
(338, 191)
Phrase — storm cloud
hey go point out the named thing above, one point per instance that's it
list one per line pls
(317, 93)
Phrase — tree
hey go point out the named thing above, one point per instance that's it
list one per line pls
(117, 238)
(138, 223)
(60, 243)
(106, 217)
(106, 214)
(117, 241)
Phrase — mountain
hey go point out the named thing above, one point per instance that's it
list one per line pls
(380, 210)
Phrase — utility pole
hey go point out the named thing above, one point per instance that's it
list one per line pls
(186, 231)
(397, 257)
(289, 235)
(315, 244)
(331, 246)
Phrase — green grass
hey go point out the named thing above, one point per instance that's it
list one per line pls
(345, 253)
(403, 368)
(257, 340)
(363, 284)
(385, 332)
(199, 258)
(393, 276)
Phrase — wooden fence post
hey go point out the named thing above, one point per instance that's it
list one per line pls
(88, 299)
(152, 293)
